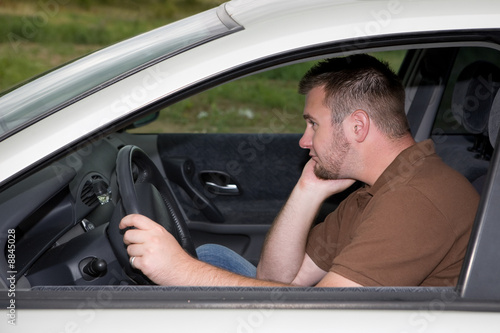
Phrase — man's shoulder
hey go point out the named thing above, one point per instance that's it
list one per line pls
(436, 176)
(421, 168)
(434, 186)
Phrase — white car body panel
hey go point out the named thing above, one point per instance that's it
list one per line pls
(286, 25)
(252, 320)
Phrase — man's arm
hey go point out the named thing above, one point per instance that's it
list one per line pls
(284, 248)
(283, 254)
(160, 257)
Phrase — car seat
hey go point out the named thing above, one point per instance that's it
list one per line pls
(472, 100)
(494, 120)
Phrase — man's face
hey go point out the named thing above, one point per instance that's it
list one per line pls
(327, 143)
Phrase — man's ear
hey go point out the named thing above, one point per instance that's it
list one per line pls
(360, 125)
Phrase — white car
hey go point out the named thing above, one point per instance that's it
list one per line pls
(66, 141)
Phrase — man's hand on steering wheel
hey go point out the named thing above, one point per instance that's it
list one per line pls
(152, 249)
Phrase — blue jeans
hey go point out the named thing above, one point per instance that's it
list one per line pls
(225, 258)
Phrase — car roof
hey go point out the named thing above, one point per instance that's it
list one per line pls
(401, 15)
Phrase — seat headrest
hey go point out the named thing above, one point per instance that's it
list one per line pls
(494, 120)
(473, 95)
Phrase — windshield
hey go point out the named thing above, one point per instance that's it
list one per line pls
(49, 93)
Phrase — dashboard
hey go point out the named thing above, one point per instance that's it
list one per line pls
(60, 216)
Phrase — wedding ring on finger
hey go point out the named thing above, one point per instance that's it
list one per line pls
(131, 260)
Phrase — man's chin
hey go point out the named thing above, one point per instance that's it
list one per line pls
(324, 174)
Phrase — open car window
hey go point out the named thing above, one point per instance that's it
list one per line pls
(239, 141)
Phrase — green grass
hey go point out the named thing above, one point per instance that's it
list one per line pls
(36, 36)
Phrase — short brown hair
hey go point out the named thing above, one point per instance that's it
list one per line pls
(360, 82)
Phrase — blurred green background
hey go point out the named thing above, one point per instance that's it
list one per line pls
(38, 35)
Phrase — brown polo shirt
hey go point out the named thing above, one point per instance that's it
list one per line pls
(411, 228)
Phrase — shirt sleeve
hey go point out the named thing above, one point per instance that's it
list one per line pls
(323, 240)
(401, 240)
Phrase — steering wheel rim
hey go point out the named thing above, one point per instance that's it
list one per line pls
(143, 190)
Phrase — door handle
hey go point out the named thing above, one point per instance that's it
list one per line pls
(219, 183)
(229, 189)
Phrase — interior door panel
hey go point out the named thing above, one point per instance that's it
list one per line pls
(262, 167)
(246, 177)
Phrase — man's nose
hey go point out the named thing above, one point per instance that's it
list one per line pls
(305, 141)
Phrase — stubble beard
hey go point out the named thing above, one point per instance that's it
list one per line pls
(335, 159)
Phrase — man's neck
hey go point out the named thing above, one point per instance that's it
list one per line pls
(381, 153)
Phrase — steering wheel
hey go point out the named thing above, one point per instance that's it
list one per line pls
(143, 190)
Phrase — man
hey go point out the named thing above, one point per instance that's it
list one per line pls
(409, 225)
